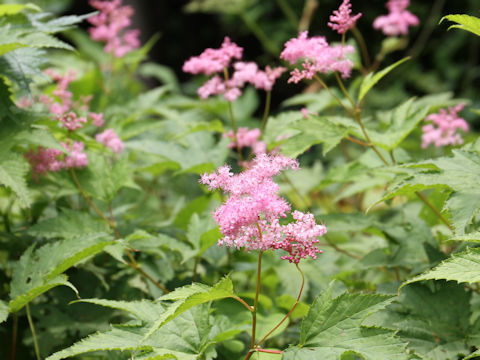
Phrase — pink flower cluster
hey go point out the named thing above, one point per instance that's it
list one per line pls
(318, 56)
(247, 138)
(398, 20)
(443, 129)
(110, 139)
(342, 20)
(109, 27)
(215, 61)
(43, 160)
(250, 215)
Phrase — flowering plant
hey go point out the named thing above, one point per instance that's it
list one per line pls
(315, 200)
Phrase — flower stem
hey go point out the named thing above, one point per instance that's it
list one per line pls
(232, 118)
(288, 12)
(268, 100)
(34, 334)
(134, 265)
(291, 310)
(363, 47)
(255, 302)
(240, 300)
(14, 336)
(308, 9)
(349, 111)
(344, 90)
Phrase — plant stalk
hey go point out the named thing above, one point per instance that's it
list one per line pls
(255, 302)
(290, 312)
(34, 334)
(14, 336)
(268, 100)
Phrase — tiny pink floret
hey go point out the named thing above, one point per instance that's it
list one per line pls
(398, 20)
(213, 61)
(342, 20)
(317, 55)
(110, 27)
(110, 139)
(443, 128)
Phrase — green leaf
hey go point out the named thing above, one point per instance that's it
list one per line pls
(333, 328)
(473, 355)
(102, 179)
(312, 131)
(38, 271)
(435, 323)
(3, 311)
(459, 173)
(464, 22)
(144, 310)
(12, 9)
(371, 79)
(32, 292)
(473, 237)
(21, 65)
(68, 224)
(463, 267)
(187, 337)
(13, 169)
(189, 296)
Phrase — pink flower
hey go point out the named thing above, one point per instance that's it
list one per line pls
(442, 130)
(250, 215)
(44, 160)
(318, 56)
(301, 237)
(247, 138)
(398, 20)
(248, 72)
(213, 61)
(24, 102)
(71, 121)
(109, 27)
(214, 86)
(78, 158)
(97, 119)
(341, 20)
(111, 140)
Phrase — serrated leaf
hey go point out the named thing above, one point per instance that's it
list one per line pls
(3, 311)
(57, 24)
(22, 64)
(435, 323)
(144, 310)
(13, 169)
(102, 179)
(459, 173)
(68, 224)
(313, 131)
(184, 338)
(464, 22)
(371, 79)
(473, 237)
(463, 267)
(38, 271)
(190, 296)
(31, 293)
(333, 328)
